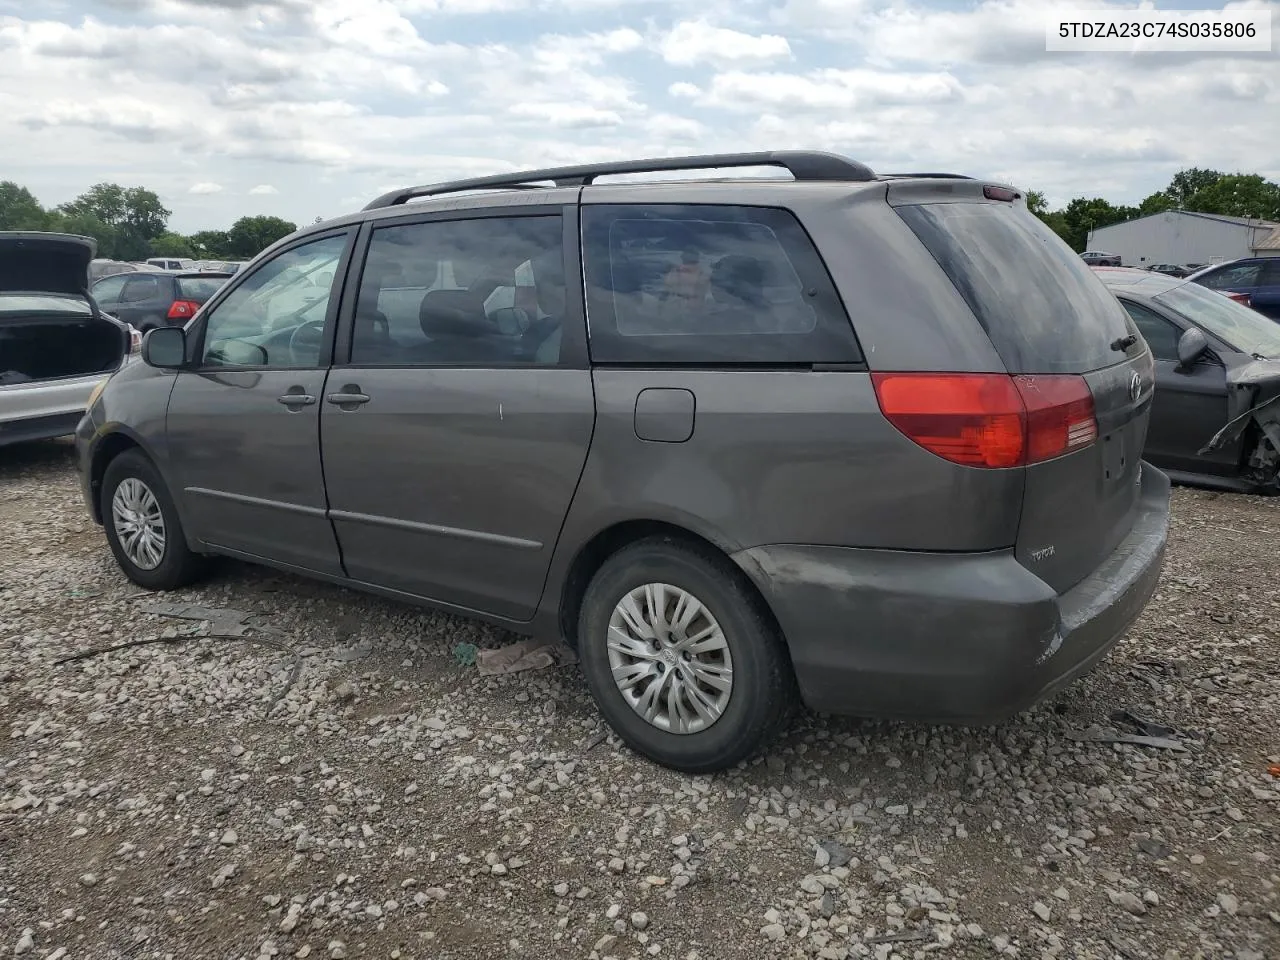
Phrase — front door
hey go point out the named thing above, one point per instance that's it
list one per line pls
(244, 424)
(455, 433)
(1189, 406)
(1266, 296)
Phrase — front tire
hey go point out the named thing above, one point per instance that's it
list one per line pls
(683, 660)
(142, 525)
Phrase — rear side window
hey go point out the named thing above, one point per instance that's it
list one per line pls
(137, 289)
(1244, 275)
(198, 289)
(1040, 304)
(695, 284)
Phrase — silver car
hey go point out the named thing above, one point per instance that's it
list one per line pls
(56, 346)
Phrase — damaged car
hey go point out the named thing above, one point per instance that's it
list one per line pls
(56, 346)
(1215, 420)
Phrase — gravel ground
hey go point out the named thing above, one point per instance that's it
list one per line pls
(160, 801)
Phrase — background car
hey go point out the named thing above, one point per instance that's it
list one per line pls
(1169, 269)
(103, 267)
(56, 346)
(156, 299)
(1097, 258)
(1255, 281)
(1215, 360)
(172, 263)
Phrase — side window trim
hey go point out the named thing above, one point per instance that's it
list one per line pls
(195, 344)
(1176, 328)
(573, 344)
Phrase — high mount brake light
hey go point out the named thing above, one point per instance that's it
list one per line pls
(990, 419)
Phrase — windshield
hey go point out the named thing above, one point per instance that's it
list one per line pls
(42, 303)
(1243, 328)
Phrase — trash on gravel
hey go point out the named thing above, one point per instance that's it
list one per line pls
(191, 611)
(525, 655)
(1158, 736)
(465, 654)
(351, 654)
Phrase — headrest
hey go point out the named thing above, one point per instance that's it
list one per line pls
(454, 313)
(740, 277)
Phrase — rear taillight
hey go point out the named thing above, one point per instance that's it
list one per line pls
(1242, 298)
(183, 309)
(135, 341)
(990, 419)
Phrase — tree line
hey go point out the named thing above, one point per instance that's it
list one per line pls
(1197, 190)
(130, 223)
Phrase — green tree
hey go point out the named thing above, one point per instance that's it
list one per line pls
(1238, 195)
(1082, 215)
(1156, 203)
(134, 215)
(210, 244)
(19, 209)
(1037, 204)
(1187, 183)
(85, 224)
(249, 236)
(171, 245)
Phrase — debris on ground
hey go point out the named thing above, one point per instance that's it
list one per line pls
(523, 655)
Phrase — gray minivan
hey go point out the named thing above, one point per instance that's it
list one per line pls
(870, 442)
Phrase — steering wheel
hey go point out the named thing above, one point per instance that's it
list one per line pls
(306, 340)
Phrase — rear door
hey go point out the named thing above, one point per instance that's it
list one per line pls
(1266, 296)
(1052, 321)
(144, 300)
(457, 418)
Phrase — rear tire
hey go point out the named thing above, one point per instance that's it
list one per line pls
(143, 527)
(678, 624)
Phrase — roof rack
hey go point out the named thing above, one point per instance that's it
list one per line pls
(802, 164)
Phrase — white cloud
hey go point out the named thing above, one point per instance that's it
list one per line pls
(205, 186)
(828, 90)
(576, 116)
(696, 41)
(262, 190)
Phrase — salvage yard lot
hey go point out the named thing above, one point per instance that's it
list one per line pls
(158, 802)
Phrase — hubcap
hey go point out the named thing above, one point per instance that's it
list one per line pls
(138, 522)
(670, 659)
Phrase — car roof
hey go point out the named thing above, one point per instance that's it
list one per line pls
(1141, 282)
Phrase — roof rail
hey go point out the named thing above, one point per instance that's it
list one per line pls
(926, 176)
(802, 164)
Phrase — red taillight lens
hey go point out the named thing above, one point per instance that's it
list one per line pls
(989, 419)
(183, 309)
(1242, 298)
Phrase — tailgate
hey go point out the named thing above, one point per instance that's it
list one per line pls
(1049, 316)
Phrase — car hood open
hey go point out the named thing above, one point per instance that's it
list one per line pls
(45, 263)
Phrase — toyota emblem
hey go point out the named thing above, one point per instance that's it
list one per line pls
(1135, 386)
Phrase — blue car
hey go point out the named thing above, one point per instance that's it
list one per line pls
(1255, 281)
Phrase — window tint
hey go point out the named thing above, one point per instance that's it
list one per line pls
(276, 317)
(483, 292)
(1161, 335)
(709, 285)
(1244, 329)
(1270, 276)
(1042, 306)
(108, 289)
(1237, 275)
(137, 289)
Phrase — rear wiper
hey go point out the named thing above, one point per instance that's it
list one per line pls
(1124, 343)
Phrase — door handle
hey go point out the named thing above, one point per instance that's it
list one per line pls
(349, 397)
(296, 400)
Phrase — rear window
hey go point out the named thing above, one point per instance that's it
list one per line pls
(705, 285)
(198, 289)
(1040, 304)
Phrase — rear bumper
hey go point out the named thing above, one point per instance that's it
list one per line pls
(44, 409)
(952, 638)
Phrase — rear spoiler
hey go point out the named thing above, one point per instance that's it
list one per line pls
(933, 189)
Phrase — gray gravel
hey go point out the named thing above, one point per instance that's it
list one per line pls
(158, 801)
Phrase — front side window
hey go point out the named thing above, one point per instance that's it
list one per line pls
(1244, 275)
(1161, 335)
(696, 284)
(276, 317)
(108, 289)
(482, 292)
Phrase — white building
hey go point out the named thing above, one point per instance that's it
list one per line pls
(1182, 237)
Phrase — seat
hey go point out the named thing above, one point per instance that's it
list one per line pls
(458, 331)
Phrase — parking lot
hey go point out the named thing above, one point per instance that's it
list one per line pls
(338, 782)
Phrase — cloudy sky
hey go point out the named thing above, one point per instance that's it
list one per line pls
(308, 108)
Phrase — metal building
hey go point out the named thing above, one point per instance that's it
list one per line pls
(1182, 237)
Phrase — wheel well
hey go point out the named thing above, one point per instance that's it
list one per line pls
(612, 539)
(108, 449)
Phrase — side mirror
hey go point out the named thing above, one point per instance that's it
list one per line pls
(1192, 345)
(165, 347)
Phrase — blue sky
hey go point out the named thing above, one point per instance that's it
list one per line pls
(308, 108)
